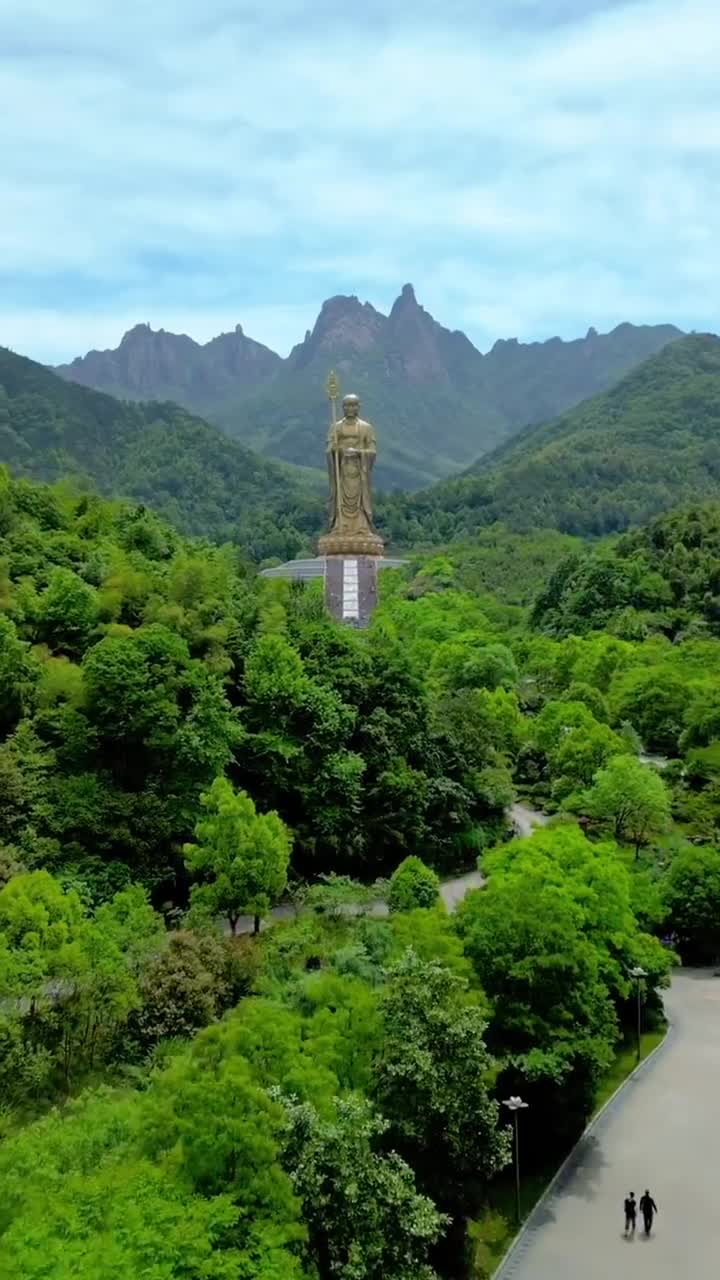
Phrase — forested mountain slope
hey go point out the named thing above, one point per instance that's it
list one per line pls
(664, 577)
(650, 443)
(436, 401)
(188, 471)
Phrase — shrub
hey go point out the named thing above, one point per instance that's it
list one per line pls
(412, 885)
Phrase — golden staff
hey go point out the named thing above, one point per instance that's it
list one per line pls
(332, 391)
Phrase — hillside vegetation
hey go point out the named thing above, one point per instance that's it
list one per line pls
(662, 578)
(184, 744)
(648, 444)
(189, 472)
(139, 666)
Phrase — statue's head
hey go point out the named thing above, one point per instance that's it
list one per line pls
(351, 406)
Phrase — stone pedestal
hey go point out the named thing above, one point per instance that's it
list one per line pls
(351, 544)
(351, 588)
(350, 582)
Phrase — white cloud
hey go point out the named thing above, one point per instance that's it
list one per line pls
(198, 165)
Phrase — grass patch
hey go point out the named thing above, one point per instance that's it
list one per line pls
(625, 1063)
(492, 1233)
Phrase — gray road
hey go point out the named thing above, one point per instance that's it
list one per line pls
(451, 891)
(663, 1131)
(524, 820)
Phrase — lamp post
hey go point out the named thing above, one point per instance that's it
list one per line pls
(515, 1104)
(638, 974)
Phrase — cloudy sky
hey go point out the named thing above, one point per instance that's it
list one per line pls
(532, 166)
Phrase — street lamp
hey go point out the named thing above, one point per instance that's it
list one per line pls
(638, 974)
(514, 1105)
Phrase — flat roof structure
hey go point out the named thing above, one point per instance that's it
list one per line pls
(307, 570)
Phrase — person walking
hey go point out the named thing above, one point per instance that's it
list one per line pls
(648, 1209)
(630, 1213)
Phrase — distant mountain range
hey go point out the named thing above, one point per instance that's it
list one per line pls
(650, 443)
(436, 401)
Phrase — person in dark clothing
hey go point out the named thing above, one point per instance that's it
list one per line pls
(630, 1212)
(648, 1209)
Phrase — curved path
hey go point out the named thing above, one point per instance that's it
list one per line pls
(662, 1132)
(524, 820)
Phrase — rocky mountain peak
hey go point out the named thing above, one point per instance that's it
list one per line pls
(424, 350)
(406, 298)
(438, 402)
(138, 332)
(344, 326)
(236, 355)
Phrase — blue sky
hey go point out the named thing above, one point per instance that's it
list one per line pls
(532, 166)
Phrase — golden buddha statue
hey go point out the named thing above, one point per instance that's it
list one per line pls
(350, 455)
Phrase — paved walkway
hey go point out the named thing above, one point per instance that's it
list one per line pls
(524, 820)
(662, 1132)
(451, 891)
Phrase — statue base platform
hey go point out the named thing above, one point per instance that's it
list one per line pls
(350, 583)
(348, 544)
(351, 588)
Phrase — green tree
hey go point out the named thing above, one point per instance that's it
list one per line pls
(553, 1020)
(271, 1039)
(467, 664)
(654, 699)
(181, 988)
(431, 1082)
(39, 922)
(242, 854)
(691, 894)
(296, 755)
(70, 979)
(208, 1120)
(552, 937)
(343, 1028)
(632, 798)
(67, 613)
(702, 719)
(412, 884)
(111, 1222)
(579, 691)
(430, 933)
(18, 674)
(365, 1217)
(152, 703)
(81, 1197)
(579, 755)
(130, 922)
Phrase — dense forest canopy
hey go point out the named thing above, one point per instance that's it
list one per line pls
(186, 746)
(140, 666)
(662, 578)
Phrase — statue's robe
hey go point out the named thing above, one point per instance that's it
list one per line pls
(350, 457)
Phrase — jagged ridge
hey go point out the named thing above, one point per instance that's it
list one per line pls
(437, 401)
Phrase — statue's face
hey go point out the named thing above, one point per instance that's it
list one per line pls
(351, 407)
